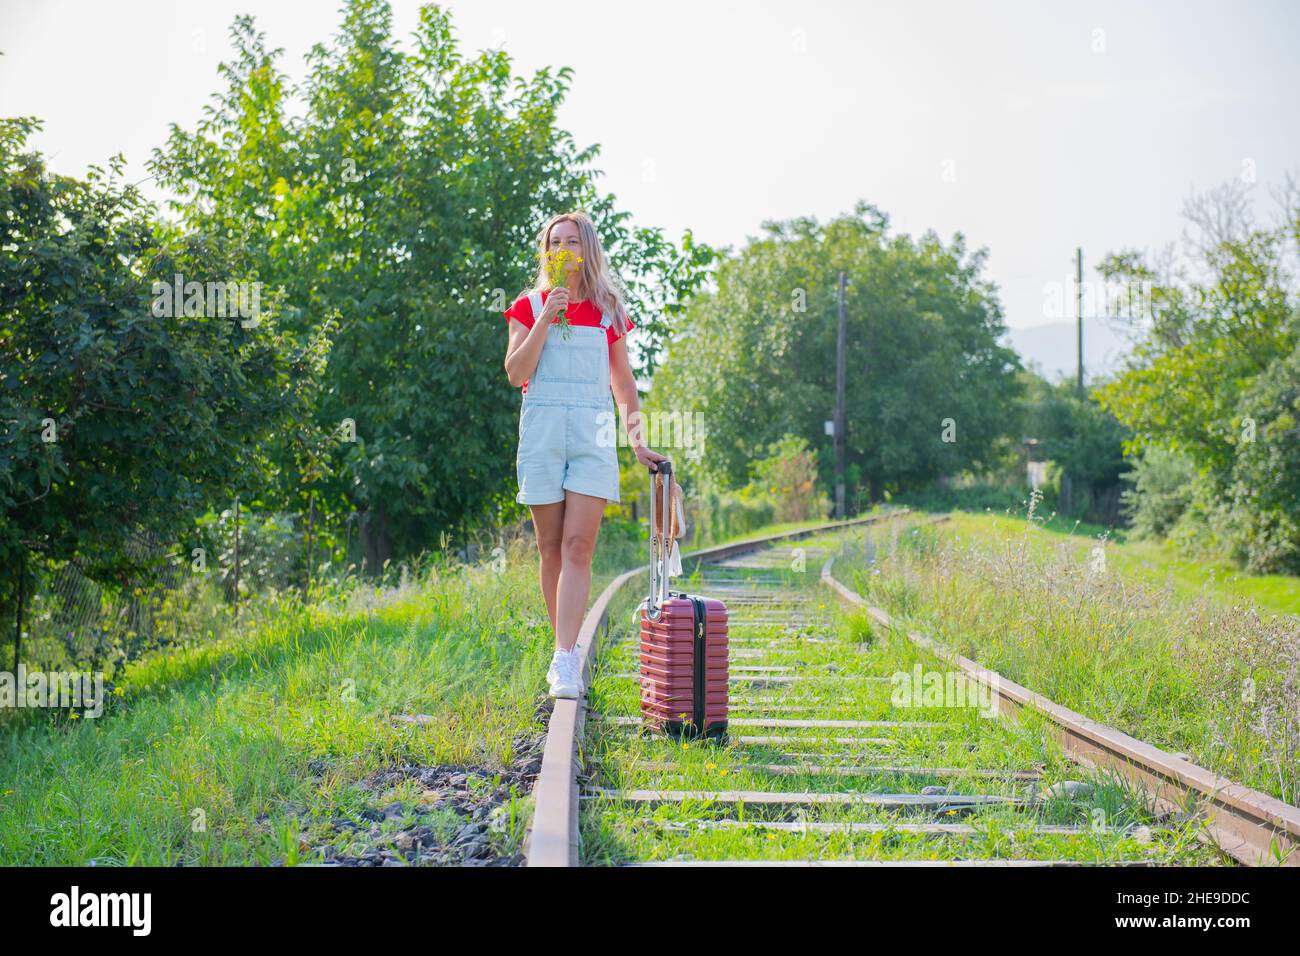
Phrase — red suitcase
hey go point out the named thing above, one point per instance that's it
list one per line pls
(683, 642)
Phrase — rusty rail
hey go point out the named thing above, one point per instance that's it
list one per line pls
(1248, 825)
(552, 838)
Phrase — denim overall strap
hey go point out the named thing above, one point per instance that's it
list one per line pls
(573, 369)
(535, 301)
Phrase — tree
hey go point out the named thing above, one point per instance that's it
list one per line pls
(1084, 439)
(928, 386)
(405, 201)
(122, 420)
(1212, 375)
(1264, 494)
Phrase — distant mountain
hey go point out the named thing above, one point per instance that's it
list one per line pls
(1050, 349)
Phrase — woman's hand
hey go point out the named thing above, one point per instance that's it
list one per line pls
(555, 302)
(647, 457)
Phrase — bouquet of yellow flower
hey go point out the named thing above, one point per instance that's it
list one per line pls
(557, 267)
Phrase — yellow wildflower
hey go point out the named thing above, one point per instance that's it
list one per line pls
(557, 270)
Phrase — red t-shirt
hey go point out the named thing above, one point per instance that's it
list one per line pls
(585, 312)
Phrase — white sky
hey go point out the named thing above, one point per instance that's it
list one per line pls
(719, 115)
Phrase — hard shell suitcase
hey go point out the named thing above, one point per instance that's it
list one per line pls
(683, 642)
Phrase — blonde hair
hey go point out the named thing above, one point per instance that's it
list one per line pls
(594, 276)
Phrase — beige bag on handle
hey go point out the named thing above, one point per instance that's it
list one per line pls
(676, 523)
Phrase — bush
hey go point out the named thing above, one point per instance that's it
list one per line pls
(728, 514)
(1265, 489)
(1162, 486)
(788, 478)
(975, 496)
(1251, 519)
(272, 549)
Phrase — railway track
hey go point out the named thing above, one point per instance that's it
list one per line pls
(826, 765)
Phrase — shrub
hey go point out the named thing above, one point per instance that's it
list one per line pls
(788, 477)
(1161, 491)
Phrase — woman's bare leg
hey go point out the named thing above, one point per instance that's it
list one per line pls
(548, 525)
(582, 514)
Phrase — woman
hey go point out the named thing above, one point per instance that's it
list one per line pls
(567, 471)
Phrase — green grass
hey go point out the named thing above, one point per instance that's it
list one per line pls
(1184, 669)
(834, 645)
(272, 744)
(263, 746)
(1153, 562)
(239, 752)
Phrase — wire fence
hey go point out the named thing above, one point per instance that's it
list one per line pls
(178, 596)
(85, 622)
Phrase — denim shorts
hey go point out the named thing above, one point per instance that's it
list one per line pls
(558, 452)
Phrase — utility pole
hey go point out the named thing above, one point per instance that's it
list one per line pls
(18, 614)
(311, 530)
(236, 560)
(1078, 309)
(839, 408)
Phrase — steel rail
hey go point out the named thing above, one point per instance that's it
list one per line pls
(552, 838)
(1248, 825)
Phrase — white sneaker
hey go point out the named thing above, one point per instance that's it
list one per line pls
(563, 675)
(553, 670)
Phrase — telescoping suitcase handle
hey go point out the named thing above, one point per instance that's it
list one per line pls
(658, 575)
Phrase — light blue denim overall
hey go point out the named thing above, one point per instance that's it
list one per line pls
(565, 442)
